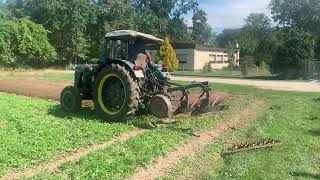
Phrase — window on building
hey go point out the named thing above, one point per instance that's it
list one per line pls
(183, 58)
(219, 59)
(212, 58)
(183, 61)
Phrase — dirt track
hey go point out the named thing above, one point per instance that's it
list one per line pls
(164, 164)
(32, 87)
(313, 86)
(55, 163)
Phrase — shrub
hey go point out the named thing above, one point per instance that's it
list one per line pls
(168, 56)
(246, 63)
(206, 68)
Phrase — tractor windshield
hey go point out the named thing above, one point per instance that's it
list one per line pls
(117, 49)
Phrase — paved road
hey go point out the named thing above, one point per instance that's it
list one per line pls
(313, 86)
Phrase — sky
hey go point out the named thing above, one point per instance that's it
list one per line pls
(231, 13)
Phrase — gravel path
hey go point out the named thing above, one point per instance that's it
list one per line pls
(312, 86)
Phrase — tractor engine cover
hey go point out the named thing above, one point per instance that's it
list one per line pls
(160, 106)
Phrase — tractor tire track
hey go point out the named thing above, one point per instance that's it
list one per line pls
(164, 164)
(57, 162)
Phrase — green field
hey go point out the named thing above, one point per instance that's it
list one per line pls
(292, 118)
(35, 131)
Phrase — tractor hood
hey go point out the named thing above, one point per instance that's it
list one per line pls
(127, 34)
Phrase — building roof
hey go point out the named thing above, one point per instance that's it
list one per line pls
(190, 46)
(135, 34)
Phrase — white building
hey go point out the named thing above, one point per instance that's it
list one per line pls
(193, 57)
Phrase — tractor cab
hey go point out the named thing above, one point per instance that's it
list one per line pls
(127, 45)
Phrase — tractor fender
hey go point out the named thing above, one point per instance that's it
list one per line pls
(129, 66)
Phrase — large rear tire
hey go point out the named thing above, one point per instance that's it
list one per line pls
(116, 94)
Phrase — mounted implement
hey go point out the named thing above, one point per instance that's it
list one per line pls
(125, 80)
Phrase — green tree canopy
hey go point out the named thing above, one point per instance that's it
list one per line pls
(302, 14)
(22, 42)
(78, 26)
(296, 47)
(201, 30)
(227, 36)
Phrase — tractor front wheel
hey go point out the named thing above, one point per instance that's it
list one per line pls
(70, 99)
(116, 94)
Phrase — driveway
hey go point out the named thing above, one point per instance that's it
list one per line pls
(312, 86)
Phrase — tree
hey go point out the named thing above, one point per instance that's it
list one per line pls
(227, 36)
(66, 20)
(296, 48)
(231, 49)
(178, 31)
(302, 14)
(168, 56)
(201, 30)
(156, 17)
(34, 48)
(22, 42)
(248, 45)
(106, 16)
(257, 33)
(257, 25)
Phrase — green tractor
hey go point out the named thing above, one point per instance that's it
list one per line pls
(125, 80)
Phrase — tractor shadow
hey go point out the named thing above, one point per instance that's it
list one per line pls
(305, 175)
(143, 120)
(89, 114)
(314, 132)
(86, 113)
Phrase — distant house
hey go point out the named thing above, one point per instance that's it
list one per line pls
(193, 57)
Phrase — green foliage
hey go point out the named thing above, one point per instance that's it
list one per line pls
(231, 49)
(246, 63)
(179, 31)
(297, 47)
(249, 45)
(206, 68)
(255, 38)
(168, 56)
(78, 26)
(201, 30)
(302, 14)
(228, 36)
(34, 49)
(22, 42)
(34, 131)
(258, 26)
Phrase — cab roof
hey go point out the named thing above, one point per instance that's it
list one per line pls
(128, 34)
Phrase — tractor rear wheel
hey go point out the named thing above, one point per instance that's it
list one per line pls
(70, 99)
(116, 94)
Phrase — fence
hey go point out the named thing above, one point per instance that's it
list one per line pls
(313, 69)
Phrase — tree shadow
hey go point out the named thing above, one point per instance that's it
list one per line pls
(265, 78)
(306, 175)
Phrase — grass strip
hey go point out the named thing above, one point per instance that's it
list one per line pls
(35, 130)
